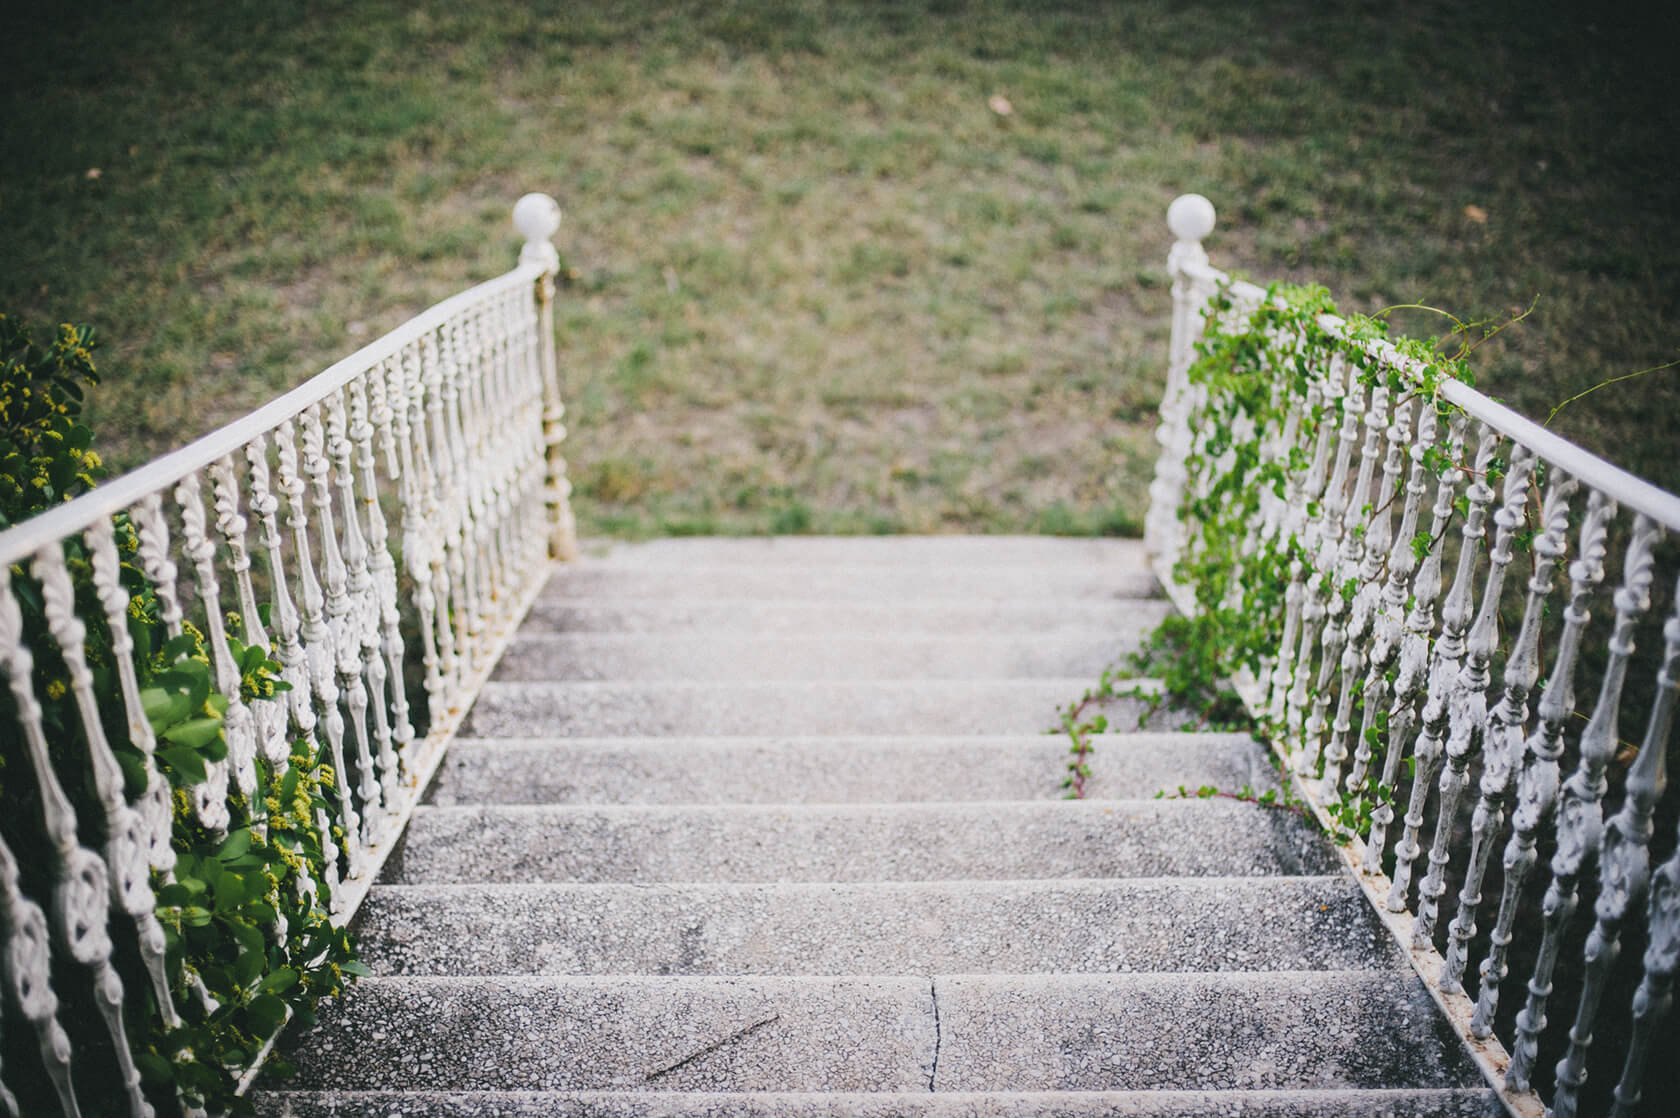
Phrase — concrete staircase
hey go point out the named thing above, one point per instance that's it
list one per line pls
(773, 827)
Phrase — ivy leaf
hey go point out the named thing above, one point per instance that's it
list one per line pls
(249, 968)
(163, 708)
(279, 981)
(154, 1068)
(237, 843)
(194, 734)
(184, 763)
(266, 1013)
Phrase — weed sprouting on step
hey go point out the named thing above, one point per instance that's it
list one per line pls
(1282, 798)
(1079, 730)
(1178, 653)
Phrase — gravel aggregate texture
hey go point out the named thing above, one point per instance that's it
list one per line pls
(727, 658)
(1411, 1103)
(961, 1033)
(854, 842)
(1000, 706)
(842, 582)
(1008, 927)
(758, 616)
(799, 551)
(836, 769)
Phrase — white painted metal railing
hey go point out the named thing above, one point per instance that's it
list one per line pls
(1449, 697)
(404, 505)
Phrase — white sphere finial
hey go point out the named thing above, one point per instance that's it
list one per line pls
(537, 217)
(1190, 217)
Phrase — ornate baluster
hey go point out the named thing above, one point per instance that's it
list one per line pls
(210, 797)
(383, 566)
(268, 715)
(496, 455)
(453, 603)
(156, 812)
(1374, 523)
(463, 414)
(342, 608)
(1468, 718)
(294, 662)
(1580, 821)
(80, 899)
(1444, 669)
(318, 645)
(414, 494)
(1325, 588)
(1312, 543)
(1624, 867)
(1537, 786)
(237, 723)
(464, 567)
(1412, 651)
(1296, 527)
(516, 399)
(155, 562)
(364, 589)
(128, 835)
(26, 961)
(1502, 737)
(1655, 996)
(1388, 621)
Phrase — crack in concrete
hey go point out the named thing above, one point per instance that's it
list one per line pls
(738, 1034)
(933, 991)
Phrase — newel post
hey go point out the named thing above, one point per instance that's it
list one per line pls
(1190, 217)
(537, 217)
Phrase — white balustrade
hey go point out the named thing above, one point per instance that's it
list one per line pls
(451, 424)
(1357, 642)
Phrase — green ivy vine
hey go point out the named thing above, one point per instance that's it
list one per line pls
(1256, 367)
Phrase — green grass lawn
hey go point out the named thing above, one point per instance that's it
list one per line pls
(815, 280)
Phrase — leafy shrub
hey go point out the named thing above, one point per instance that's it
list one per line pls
(245, 911)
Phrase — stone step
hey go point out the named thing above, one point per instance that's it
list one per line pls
(849, 582)
(930, 617)
(848, 656)
(1276, 1030)
(836, 770)
(1460, 1102)
(799, 551)
(854, 842)
(691, 709)
(991, 927)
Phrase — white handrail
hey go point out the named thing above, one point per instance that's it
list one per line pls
(112, 497)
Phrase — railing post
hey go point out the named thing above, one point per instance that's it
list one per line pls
(1190, 218)
(537, 216)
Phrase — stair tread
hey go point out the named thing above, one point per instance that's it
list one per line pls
(1449, 1102)
(602, 614)
(840, 582)
(813, 656)
(854, 842)
(1094, 926)
(688, 708)
(888, 1033)
(791, 769)
(801, 550)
